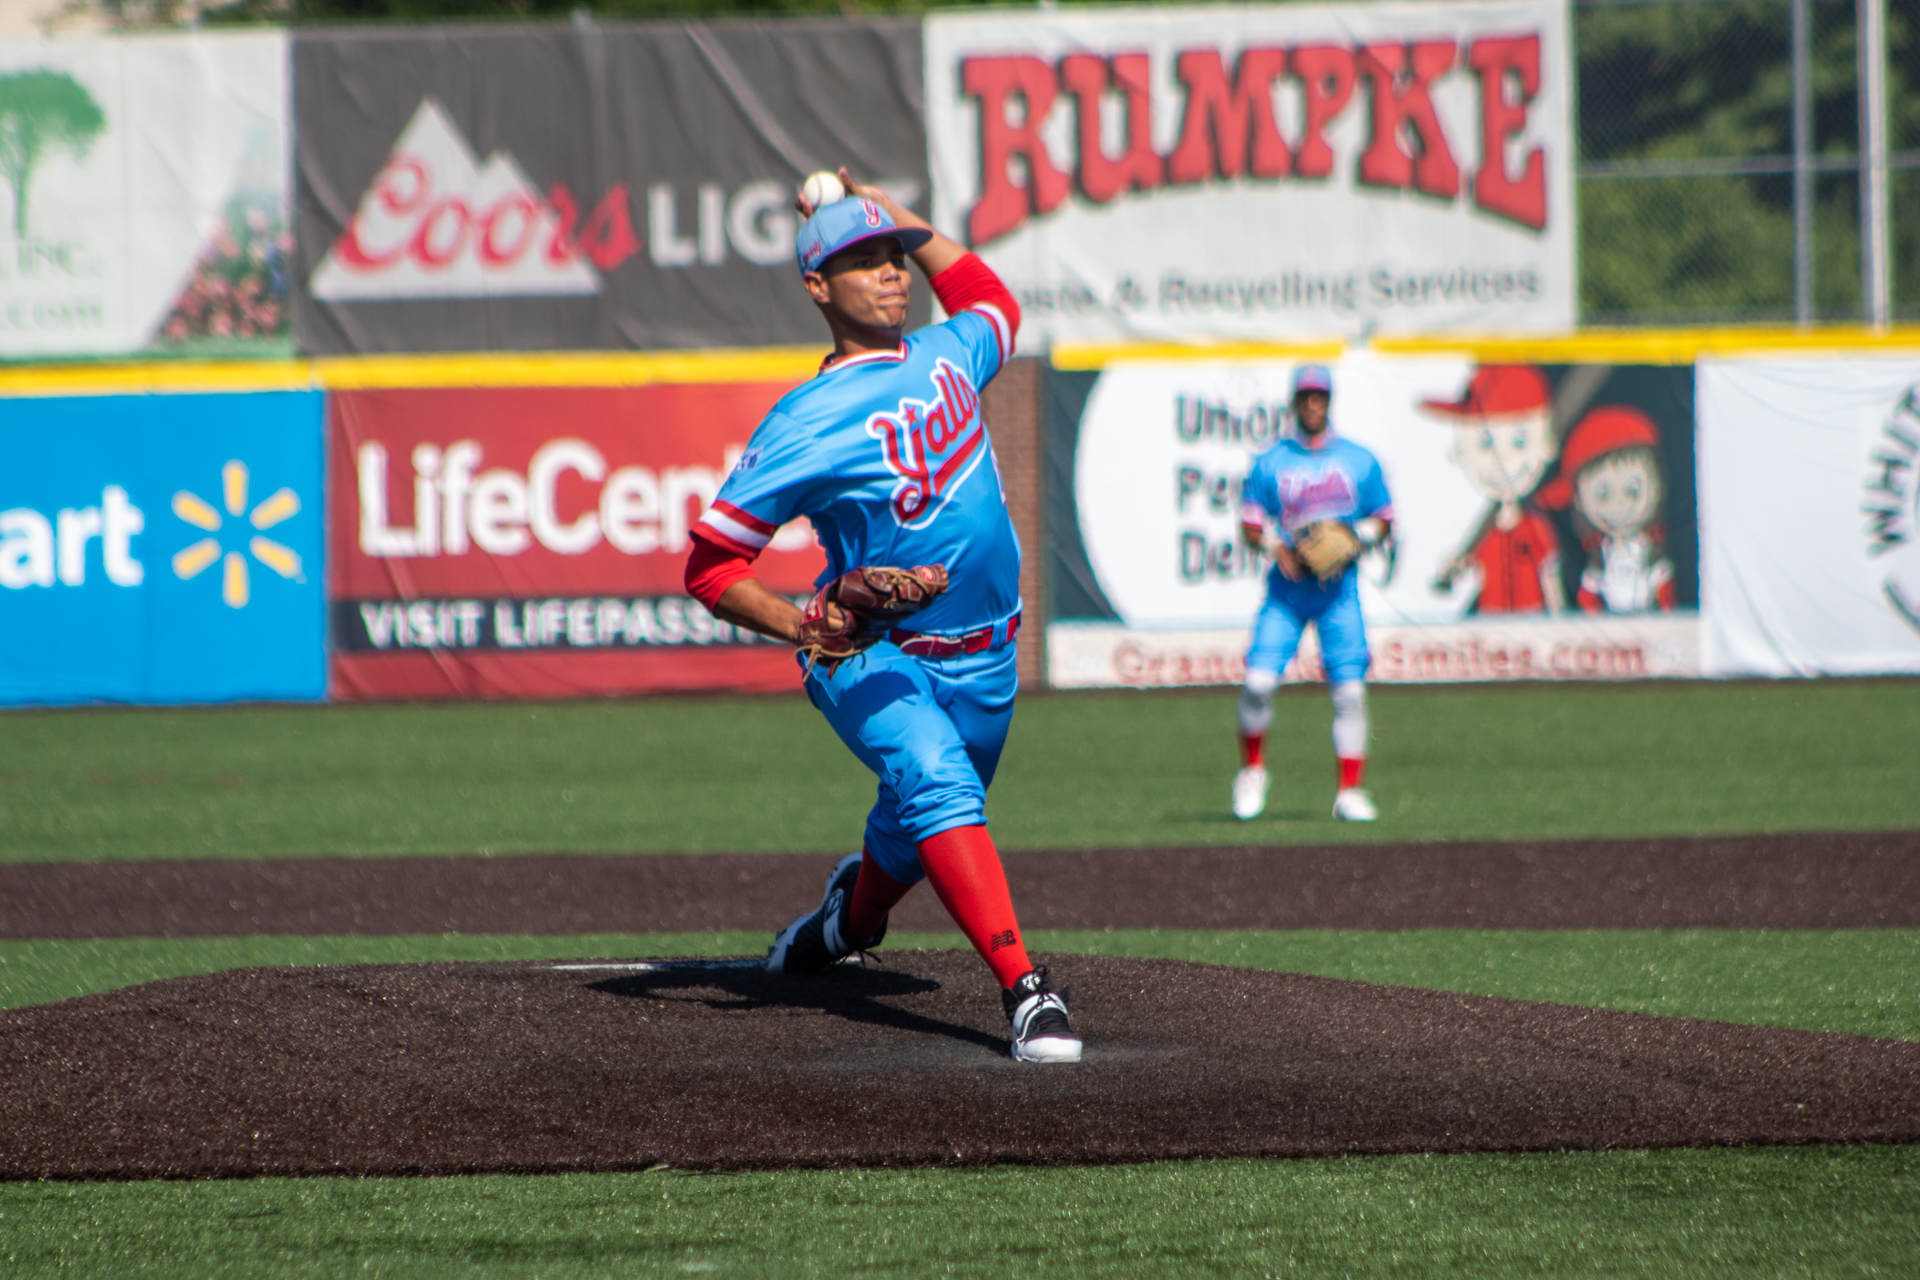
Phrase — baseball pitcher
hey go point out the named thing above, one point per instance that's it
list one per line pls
(1314, 503)
(908, 646)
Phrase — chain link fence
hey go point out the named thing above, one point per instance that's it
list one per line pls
(1687, 142)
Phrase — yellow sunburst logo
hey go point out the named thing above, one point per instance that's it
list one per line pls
(191, 561)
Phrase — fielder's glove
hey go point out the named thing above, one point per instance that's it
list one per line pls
(855, 611)
(1327, 547)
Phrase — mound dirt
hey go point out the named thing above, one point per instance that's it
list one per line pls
(524, 1067)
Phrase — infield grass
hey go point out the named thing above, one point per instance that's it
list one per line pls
(1763, 1211)
(1081, 771)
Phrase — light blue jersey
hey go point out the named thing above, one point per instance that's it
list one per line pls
(1293, 485)
(887, 454)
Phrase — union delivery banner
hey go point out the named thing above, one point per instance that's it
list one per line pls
(530, 542)
(143, 195)
(1261, 171)
(1543, 517)
(575, 188)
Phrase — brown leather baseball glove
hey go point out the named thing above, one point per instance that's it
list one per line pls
(854, 612)
(1327, 547)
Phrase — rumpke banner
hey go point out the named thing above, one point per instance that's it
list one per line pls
(1261, 171)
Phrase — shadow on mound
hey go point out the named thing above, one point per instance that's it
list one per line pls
(850, 993)
(450, 1068)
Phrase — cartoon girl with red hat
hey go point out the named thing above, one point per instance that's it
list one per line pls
(1610, 475)
(1504, 442)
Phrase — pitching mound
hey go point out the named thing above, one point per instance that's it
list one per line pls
(452, 1068)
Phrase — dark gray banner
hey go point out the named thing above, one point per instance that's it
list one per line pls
(581, 188)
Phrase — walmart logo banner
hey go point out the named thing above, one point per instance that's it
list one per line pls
(161, 549)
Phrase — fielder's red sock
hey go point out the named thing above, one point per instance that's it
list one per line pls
(1253, 749)
(874, 894)
(1351, 767)
(964, 869)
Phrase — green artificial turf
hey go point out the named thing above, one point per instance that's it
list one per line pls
(1807, 1211)
(1861, 982)
(1081, 771)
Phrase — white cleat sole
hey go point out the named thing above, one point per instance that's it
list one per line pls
(1048, 1049)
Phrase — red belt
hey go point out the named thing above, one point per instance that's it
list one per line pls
(1000, 633)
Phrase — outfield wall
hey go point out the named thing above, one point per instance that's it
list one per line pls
(516, 526)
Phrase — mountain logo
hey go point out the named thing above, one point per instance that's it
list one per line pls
(191, 560)
(437, 223)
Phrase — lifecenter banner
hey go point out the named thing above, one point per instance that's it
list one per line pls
(531, 542)
(1261, 172)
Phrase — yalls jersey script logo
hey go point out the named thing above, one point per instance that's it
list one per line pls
(932, 447)
(1327, 496)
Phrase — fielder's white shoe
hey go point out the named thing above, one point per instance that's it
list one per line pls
(1037, 1020)
(1354, 805)
(1249, 792)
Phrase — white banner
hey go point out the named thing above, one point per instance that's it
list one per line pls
(1809, 480)
(1102, 655)
(1261, 171)
(143, 193)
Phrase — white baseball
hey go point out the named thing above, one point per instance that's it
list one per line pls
(822, 189)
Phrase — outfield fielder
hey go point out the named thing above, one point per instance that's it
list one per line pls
(1312, 503)
(886, 453)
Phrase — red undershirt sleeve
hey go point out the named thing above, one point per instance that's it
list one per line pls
(711, 569)
(971, 282)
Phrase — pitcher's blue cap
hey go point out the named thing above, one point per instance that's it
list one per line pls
(1312, 377)
(844, 223)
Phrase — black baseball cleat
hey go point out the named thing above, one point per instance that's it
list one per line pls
(1038, 1020)
(815, 940)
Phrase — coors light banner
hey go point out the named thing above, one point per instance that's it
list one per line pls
(1261, 172)
(598, 187)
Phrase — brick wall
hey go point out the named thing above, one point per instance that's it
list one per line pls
(1012, 406)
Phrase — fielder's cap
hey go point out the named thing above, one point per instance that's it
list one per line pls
(1496, 391)
(845, 223)
(1312, 377)
(1608, 429)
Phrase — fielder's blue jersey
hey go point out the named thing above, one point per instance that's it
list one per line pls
(888, 455)
(1293, 485)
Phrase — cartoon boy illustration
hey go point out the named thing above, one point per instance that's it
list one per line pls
(1503, 440)
(1610, 475)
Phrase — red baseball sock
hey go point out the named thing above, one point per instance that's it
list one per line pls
(874, 894)
(1351, 767)
(1253, 749)
(964, 869)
